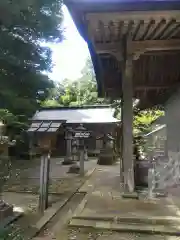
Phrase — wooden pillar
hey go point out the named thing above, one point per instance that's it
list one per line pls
(44, 143)
(121, 149)
(127, 121)
(172, 131)
(44, 181)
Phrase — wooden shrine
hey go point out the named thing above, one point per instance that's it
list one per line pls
(135, 49)
(54, 127)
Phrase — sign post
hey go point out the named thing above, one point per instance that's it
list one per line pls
(81, 133)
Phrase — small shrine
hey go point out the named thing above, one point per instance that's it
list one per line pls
(56, 124)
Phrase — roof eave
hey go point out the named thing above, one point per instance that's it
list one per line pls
(79, 8)
(122, 5)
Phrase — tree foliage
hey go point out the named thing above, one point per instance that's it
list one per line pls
(24, 26)
(82, 91)
(143, 120)
(23, 58)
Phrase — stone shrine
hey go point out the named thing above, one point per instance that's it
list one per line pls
(106, 156)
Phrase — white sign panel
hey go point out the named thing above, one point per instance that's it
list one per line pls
(82, 135)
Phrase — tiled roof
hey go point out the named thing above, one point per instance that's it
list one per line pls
(77, 115)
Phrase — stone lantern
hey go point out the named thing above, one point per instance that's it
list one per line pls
(75, 150)
(68, 159)
(80, 133)
(106, 156)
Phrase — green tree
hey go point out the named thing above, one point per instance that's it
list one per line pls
(143, 120)
(24, 25)
(82, 91)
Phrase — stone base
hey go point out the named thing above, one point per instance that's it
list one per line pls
(74, 169)
(75, 158)
(5, 211)
(105, 159)
(133, 195)
(67, 161)
(160, 193)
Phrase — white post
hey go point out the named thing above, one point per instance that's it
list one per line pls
(121, 149)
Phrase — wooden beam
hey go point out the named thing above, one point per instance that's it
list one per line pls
(159, 53)
(149, 88)
(154, 45)
(104, 47)
(139, 47)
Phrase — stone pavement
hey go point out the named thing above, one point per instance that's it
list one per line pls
(26, 176)
(104, 208)
(32, 221)
(103, 201)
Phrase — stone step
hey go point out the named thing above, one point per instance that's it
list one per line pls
(150, 220)
(124, 227)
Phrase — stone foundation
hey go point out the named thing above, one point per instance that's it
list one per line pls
(6, 211)
(74, 169)
(67, 161)
(106, 158)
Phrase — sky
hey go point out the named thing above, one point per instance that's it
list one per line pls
(70, 55)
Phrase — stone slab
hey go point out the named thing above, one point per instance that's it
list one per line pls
(104, 208)
(151, 220)
(139, 228)
(133, 195)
